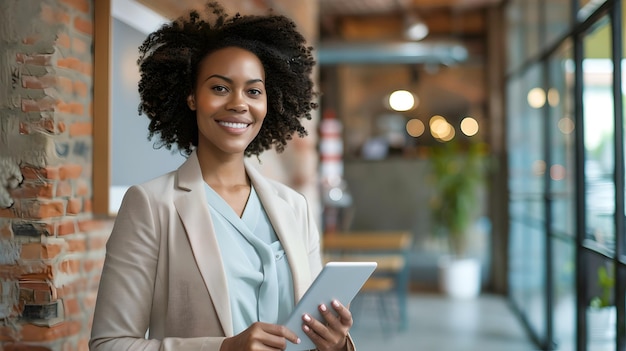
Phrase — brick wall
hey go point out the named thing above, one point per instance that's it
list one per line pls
(51, 247)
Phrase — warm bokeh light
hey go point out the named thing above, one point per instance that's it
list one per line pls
(557, 172)
(536, 98)
(449, 135)
(553, 97)
(566, 125)
(401, 100)
(440, 128)
(539, 167)
(415, 127)
(469, 126)
(438, 125)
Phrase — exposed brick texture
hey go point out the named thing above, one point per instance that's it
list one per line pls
(55, 247)
(53, 243)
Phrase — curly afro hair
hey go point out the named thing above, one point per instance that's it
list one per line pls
(169, 60)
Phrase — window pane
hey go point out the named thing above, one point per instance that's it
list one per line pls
(557, 20)
(522, 17)
(564, 318)
(560, 99)
(601, 313)
(527, 169)
(599, 139)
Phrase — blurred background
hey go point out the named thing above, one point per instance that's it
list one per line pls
(474, 148)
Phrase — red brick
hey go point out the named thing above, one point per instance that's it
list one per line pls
(48, 172)
(61, 127)
(30, 40)
(80, 5)
(71, 63)
(42, 296)
(86, 68)
(93, 265)
(77, 245)
(64, 189)
(87, 206)
(96, 242)
(70, 171)
(34, 190)
(7, 334)
(80, 88)
(81, 129)
(64, 84)
(31, 251)
(44, 209)
(65, 329)
(44, 125)
(24, 347)
(8, 212)
(35, 270)
(65, 228)
(34, 59)
(87, 226)
(79, 46)
(53, 16)
(42, 82)
(70, 266)
(35, 251)
(5, 231)
(82, 344)
(89, 299)
(83, 25)
(74, 206)
(72, 307)
(44, 104)
(63, 40)
(71, 108)
(82, 188)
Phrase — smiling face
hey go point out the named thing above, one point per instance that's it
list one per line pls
(230, 101)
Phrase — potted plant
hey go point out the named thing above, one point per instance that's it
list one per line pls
(458, 173)
(602, 313)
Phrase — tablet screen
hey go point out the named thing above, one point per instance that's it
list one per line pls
(337, 280)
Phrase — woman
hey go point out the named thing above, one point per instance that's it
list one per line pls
(213, 255)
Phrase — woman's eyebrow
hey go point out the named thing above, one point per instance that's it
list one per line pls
(256, 80)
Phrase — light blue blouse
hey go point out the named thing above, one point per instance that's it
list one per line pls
(257, 272)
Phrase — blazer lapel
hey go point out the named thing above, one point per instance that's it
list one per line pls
(194, 213)
(284, 223)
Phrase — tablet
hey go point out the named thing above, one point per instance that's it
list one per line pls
(337, 280)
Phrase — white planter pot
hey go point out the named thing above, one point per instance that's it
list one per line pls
(601, 324)
(460, 278)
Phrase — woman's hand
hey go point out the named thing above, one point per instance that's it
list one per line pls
(260, 336)
(333, 335)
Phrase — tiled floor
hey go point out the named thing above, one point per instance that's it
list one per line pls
(437, 323)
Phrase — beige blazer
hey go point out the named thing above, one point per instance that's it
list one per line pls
(163, 269)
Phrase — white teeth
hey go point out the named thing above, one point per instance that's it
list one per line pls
(233, 125)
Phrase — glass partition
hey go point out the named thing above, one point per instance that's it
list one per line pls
(522, 21)
(601, 313)
(561, 127)
(527, 166)
(560, 98)
(599, 136)
(558, 18)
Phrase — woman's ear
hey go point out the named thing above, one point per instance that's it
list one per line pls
(191, 102)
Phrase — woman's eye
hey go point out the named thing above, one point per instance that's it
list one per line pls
(255, 92)
(220, 89)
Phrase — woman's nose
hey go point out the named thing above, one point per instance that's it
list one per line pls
(237, 103)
